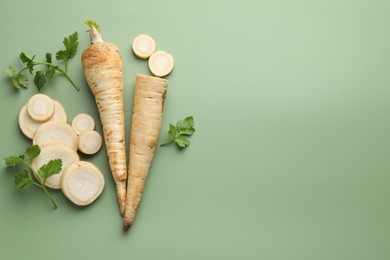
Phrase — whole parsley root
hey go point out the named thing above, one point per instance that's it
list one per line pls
(102, 66)
(148, 106)
(29, 176)
(20, 80)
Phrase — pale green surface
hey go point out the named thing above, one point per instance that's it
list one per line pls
(291, 158)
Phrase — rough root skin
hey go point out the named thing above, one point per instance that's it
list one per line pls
(148, 107)
(102, 67)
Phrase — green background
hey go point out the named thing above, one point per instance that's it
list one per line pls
(290, 159)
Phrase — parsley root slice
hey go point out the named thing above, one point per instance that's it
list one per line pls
(89, 142)
(143, 46)
(83, 122)
(82, 183)
(161, 63)
(148, 106)
(56, 131)
(40, 108)
(55, 151)
(102, 66)
(26, 124)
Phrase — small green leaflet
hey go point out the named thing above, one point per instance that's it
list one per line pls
(172, 131)
(181, 131)
(52, 167)
(32, 152)
(40, 79)
(18, 80)
(23, 179)
(51, 70)
(186, 126)
(182, 141)
(71, 44)
(29, 62)
(13, 160)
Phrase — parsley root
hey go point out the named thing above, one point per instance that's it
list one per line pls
(148, 106)
(102, 67)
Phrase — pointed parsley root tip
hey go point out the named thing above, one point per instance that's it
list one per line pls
(126, 226)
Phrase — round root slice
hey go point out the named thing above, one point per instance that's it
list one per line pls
(40, 107)
(59, 112)
(143, 46)
(82, 183)
(51, 152)
(82, 123)
(89, 142)
(26, 123)
(161, 63)
(56, 131)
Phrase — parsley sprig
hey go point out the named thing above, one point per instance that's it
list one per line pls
(31, 177)
(180, 132)
(20, 80)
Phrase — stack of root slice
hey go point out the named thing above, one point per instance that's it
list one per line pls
(148, 106)
(44, 120)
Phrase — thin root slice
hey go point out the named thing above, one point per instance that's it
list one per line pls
(26, 123)
(89, 142)
(82, 183)
(161, 63)
(51, 152)
(143, 46)
(83, 122)
(56, 131)
(40, 107)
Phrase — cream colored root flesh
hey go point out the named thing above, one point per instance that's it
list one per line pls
(103, 71)
(148, 107)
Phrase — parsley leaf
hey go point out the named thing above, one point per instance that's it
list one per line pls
(11, 72)
(29, 62)
(51, 69)
(23, 179)
(30, 175)
(172, 131)
(18, 79)
(32, 152)
(182, 141)
(52, 167)
(13, 160)
(71, 44)
(40, 79)
(181, 131)
(186, 126)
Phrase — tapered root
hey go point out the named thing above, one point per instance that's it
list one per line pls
(148, 107)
